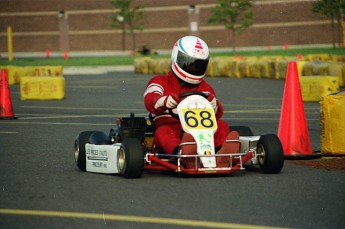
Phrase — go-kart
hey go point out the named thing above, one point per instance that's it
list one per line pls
(129, 148)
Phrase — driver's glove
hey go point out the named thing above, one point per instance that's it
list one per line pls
(212, 99)
(167, 102)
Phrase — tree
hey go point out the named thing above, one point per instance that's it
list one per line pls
(127, 17)
(332, 9)
(236, 15)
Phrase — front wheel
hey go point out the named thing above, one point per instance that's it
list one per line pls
(131, 158)
(270, 154)
(79, 149)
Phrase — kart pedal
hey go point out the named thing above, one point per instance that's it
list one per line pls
(230, 146)
(189, 147)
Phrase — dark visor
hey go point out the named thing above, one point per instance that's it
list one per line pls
(191, 65)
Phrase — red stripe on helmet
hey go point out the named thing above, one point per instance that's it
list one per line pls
(184, 75)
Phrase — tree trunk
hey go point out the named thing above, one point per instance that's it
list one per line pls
(123, 37)
(133, 40)
(131, 29)
(233, 33)
(339, 31)
(333, 32)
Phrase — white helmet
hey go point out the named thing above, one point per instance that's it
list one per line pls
(189, 59)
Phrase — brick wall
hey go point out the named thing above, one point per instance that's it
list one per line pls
(35, 24)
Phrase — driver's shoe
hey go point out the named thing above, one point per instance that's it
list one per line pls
(189, 149)
(229, 148)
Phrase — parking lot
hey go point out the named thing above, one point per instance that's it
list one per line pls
(41, 185)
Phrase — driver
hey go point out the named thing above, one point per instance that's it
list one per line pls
(189, 60)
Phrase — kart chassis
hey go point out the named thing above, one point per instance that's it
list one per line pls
(129, 150)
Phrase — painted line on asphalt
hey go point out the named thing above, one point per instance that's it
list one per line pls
(18, 121)
(61, 123)
(266, 98)
(111, 124)
(71, 116)
(142, 109)
(131, 218)
(262, 119)
(243, 111)
(92, 87)
(253, 111)
(82, 108)
(8, 132)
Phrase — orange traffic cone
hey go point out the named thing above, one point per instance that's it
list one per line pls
(6, 110)
(65, 55)
(293, 130)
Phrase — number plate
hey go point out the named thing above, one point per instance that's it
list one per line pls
(199, 119)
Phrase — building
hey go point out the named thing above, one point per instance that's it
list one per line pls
(84, 25)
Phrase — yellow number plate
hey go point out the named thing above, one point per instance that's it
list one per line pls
(199, 119)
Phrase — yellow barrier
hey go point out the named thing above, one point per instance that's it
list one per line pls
(300, 66)
(271, 57)
(315, 87)
(154, 66)
(15, 73)
(222, 67)
(333, 124)
(253, 69)
(338, 69)
(49, 71)
(272, 68)
(219, 67)
(265, 67)
(321, 57)
(338, 58)
(233, 68)
(242, 69)
(211, 68)
(164, 65)
(42, 88)
(141, 65)
(282, 65)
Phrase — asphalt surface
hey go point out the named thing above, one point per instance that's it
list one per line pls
(40, 185)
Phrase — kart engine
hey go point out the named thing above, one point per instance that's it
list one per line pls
(128, 127)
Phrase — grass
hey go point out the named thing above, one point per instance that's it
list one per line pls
(128, 60)
(72, 61)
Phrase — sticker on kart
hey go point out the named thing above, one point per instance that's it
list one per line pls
(199, 119)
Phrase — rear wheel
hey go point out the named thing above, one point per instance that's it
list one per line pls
(99, 138)
(270, 154)
(131, 158)
(79, 149)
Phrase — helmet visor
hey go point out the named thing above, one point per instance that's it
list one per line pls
(191, 65)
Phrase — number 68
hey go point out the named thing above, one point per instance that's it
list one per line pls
(198, 119)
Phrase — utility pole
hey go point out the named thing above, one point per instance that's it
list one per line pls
(63, 25)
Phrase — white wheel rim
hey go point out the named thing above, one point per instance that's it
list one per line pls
(122, 160)
(261, 154)
(76, 151)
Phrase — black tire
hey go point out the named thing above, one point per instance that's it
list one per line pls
(270, 154)
(79, 149)
(242, 130)
(99, 138)
(131, 158)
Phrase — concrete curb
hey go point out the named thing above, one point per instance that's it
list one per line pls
(95, 70)
(95, 53)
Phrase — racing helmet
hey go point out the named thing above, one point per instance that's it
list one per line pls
(189, 59)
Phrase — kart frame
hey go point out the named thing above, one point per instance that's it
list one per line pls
(129, 149)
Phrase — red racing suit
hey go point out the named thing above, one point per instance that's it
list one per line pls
(168, 129)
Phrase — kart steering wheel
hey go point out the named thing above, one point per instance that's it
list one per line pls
(186, 94)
